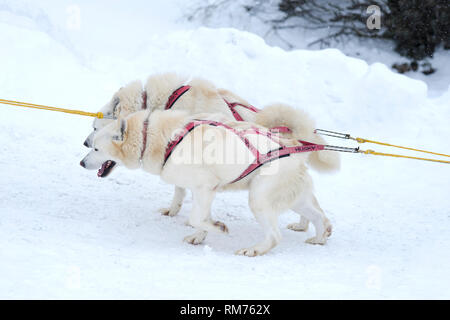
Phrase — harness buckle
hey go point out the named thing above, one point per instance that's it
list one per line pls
(341, 149)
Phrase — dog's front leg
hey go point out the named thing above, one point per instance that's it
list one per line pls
(176, 204)
(200, 216)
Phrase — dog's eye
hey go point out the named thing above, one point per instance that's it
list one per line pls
(95, 129)
(95, 149)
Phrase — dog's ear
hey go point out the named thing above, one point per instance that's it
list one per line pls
(115, 103)
(122, 130)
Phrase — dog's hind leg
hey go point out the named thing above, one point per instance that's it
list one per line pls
(308, 206)
(266, 216)
(176, 204)
(269, 221)
(200, 216)
(299, 226)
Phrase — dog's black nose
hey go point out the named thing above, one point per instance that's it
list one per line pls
(86, 144)
(82, 164)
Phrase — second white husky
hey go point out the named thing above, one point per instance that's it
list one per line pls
(146, 140)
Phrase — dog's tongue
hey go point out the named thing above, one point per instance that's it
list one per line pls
(102, 169)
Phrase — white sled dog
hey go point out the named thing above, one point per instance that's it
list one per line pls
(174, 92)
(168, 143)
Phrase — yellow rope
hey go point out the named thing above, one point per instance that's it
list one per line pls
(361, 140)
(400, 156)
(42, 107)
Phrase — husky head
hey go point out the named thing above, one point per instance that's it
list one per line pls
(119, 143)
(125, 101)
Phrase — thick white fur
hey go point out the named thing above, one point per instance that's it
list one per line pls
(302, 127)
(204, 97)
(124, 102)
(290, 187)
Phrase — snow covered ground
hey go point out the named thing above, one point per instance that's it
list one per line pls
(64, 233)
(234, 13)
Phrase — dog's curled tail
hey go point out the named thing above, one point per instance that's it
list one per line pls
(302, 128)
(324, 161)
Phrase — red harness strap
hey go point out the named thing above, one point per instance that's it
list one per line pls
(144, 100)
(175, 96)
(144, 138)
(232, 105)
(280, 129)
(260, 159)
(237, 116)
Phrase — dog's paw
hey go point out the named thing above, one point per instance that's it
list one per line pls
(297, 226)
(257, 250)
(196, 238)
(171, 212)
(328, 229)
(317, 240)
(249, 252)
(221, 226)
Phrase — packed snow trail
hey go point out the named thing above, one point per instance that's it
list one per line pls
(64, 233)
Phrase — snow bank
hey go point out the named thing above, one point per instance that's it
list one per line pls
(64, 233)
(235, 14)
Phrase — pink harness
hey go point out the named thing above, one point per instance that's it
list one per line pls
(175, 96)
(236, 115)
(260, 159)
(232, 105)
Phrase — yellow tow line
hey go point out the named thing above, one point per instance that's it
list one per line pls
(361, 140)
(100, 115)
(42, 107)
(372, 152)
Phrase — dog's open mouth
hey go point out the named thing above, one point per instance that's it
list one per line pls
(106, 169)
